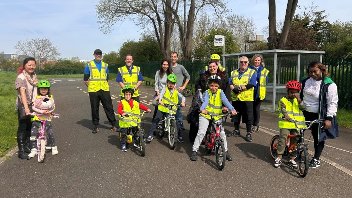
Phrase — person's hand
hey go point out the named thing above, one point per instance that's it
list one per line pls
(183, 104)
(288, 118)
(181, 88)
(243, 88)
(234, 112)
(204, 111)
(149, 110)
(327, 124)
(27, 111)
(157, 93)
(123, 114)
(224, 109)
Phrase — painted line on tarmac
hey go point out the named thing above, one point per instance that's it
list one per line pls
(332, 163)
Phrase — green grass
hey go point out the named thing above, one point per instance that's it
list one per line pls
(344, 118)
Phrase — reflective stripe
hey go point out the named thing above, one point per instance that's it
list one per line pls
(97, 79)
(169, 99)
(129, 78)
(134, 115)
(247, 95)
(294, 113)
(214, 106)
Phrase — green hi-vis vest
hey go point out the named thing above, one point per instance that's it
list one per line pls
(294, 112)
(247, 95)
(221, 68)
(97, 79)
(169, 99)
(133, 117)
(262, 83)
(130, 79)
(214, 106)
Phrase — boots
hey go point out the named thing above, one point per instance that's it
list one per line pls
(21, 153)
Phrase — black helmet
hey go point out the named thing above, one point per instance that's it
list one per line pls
(214, 79)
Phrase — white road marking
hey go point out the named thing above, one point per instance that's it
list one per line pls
(84, 92)
(71, 80)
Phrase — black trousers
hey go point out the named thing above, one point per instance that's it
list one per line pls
(23, 132)
(318, 146)
(245, 111)
(105, 99)
(256, 111)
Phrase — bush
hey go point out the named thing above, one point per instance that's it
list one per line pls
(62, 67)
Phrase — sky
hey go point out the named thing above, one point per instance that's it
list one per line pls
(71, 25)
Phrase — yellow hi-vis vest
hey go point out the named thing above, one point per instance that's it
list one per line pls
(169, 99)
(262, 83)
(247, 95)
(214, 106)
(97, 80)
(221, 68)
(133, 118)
(130, 79)
(294, 112)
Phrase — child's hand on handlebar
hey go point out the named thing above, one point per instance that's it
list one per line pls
(327, 124)
(234, 112)
(204, 111)
(149, 110)
(123, 114)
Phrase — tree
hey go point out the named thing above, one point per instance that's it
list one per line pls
(41, 49)
(338, 41)
(112, 58)
(274, 40)
(163, 15)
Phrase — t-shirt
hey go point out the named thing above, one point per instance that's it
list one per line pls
(31, 91)
(181, 74)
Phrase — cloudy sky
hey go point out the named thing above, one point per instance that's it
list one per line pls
(72, 24)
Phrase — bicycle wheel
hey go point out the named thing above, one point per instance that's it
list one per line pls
(41, 149)
(141, 143)
(220, 154)
(273, 146)
(302, 160)
(172, 134)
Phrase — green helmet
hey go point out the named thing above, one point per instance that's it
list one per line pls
(128, 88)
(172, 78)
(43, 84)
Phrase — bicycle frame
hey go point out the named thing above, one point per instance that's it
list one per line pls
(214, 128)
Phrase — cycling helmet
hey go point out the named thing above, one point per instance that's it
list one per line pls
(293, 84)
(43, 84)
(214, 78)
(128, 88)
(172, 78)
(215, 57)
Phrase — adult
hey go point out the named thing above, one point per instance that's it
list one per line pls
(96, 76)
(25, 83)
(183, 78)
(215, 58)
(319, 94)
(130, 74)
(202, 86)
(160, 80)
(242, 82)
(259, 89)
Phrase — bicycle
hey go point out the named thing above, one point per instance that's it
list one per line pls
(136, 137)
(168, 125)
(214, 142)
(300, 147)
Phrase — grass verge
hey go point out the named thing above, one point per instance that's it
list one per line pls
(344, 118)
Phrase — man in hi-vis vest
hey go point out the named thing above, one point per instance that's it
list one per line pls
(96, 78)
(130, 74)
(242, 82)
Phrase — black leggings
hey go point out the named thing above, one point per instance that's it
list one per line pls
(256, 111)
(318, 146)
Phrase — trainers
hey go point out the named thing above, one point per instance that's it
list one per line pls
(236, 133)
(180, 139)
(228, 156)
(123, 148)
(293, 163)
(54, 150)
(149, 139)
(314, 163)
(95, 129)
(249, 137)
(255, 128)
(194, 156)
(48, 147)
(277, 163)
(32, 153)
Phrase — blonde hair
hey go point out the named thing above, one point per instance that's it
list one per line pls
(261, 59)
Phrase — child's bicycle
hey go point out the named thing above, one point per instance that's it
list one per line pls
(42, 139)
(168, 126)
(214, 142)
(300, 147)
(136, 137)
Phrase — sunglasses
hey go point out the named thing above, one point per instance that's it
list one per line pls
(98, 54)
(243, 61)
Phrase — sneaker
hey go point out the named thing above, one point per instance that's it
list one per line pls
(149, 139)
(277, 163)
(255, 128)
(314, 163)
(95, 129)
(228, 156)
(249, 137)
(293, 163)
(33, 153)
(236, 133)
(54, 150)
(48, 147)
(194, 156)
(180, 139)
(123, 148)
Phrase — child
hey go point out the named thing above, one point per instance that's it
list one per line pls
(168, 95)
(130, 107)
(290, 112)
(43, 107)
(214, 98)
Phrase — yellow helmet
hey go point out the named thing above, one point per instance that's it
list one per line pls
(215, 57)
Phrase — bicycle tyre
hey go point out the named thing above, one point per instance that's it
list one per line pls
(220, 155)
(172, 134)
(141, 143)
(41, 154)
(273, 146)
(302, 160)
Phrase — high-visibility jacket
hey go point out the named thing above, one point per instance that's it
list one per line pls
(221, 68)
(130, 79)
(169, 99)
(133, 118)
(214, 106)
(294, 112)
(247, 95)
(262, 83)
(98, 79)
